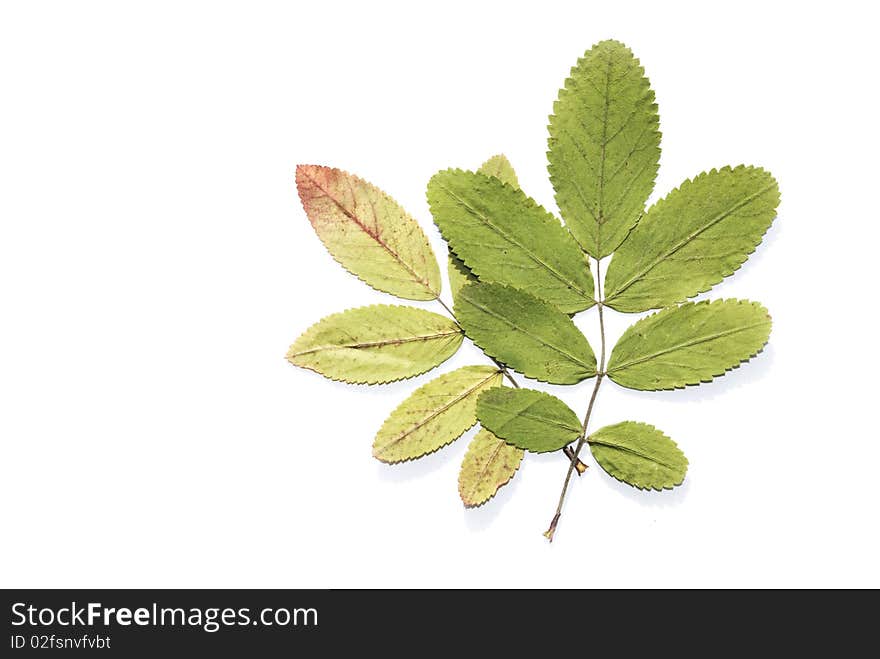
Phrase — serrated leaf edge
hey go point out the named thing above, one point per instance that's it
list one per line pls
(388, 197)
(652, 103)
(543, 394)
(470, 504)
(609, 299)
(290, 355)
(592, 443)
(532, 376)
(549, 217)
(610, 372)
(496, 373)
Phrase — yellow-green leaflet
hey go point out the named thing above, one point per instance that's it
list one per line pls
(434, 415)
(376, 344)
(692, 239)
(368, 233)
(459, 274)
(527, 334)
(499, 167)
(639, 454)
(504, 236)
(604, 147)
(528, 419)
(689, 344)
(489, 464)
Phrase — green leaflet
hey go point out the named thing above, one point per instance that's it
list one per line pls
(368, 233)
(489, 464)
(689, 344)
(459, 274)
(376, 344)
(693, 238)
(528, 419)
(499, 167)
(504, 236)
(526, 333)
(604, 147)
(639, 454)
(434, 415)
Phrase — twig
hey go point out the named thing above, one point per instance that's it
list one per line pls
(600, 373)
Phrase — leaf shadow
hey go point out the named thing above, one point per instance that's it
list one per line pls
(650, 498)
(482, 517)
(746, 373)
(404, 472)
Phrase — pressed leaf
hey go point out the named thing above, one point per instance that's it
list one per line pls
(376, 344)
(639, 454)
(504, 236)
(528, 419)
(489, 464)
(528, 334)
(434, 415)
(368, 233)
(693, 238)
(459, 274)
(689, 344)
(604, 147)
(499, 167)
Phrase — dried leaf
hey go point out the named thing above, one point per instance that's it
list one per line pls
(499, 167)
(434, 415)
(692, 239)
(604, 147)
(689, 344)
(639, 454)
(504, 236)
(488, 465)
(528, 419)
(368, 233)
(527, 334)
(459, 274)
(376, 344)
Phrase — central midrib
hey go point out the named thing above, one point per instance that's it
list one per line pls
(681, 346)
(439, 411)
(686, 240)
(629, 449)
(354, 218)
(378, 344)
(530, 335)
(562, 278)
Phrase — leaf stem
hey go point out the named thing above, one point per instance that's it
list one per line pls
(569, 454)
(600, 374)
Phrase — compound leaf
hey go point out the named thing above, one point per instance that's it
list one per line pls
(499, 167)
(488, 465)
(376, 344)
(604, 147)
(368, 233)
(528, 419)
(528, 334)
(692, 239)
(689, 344)
(504, 236)
(434, 415)
(639, 454)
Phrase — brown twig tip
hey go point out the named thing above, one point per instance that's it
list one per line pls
(550, 531)
(580, 466)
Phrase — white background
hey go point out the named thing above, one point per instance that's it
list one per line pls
(155, 265)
